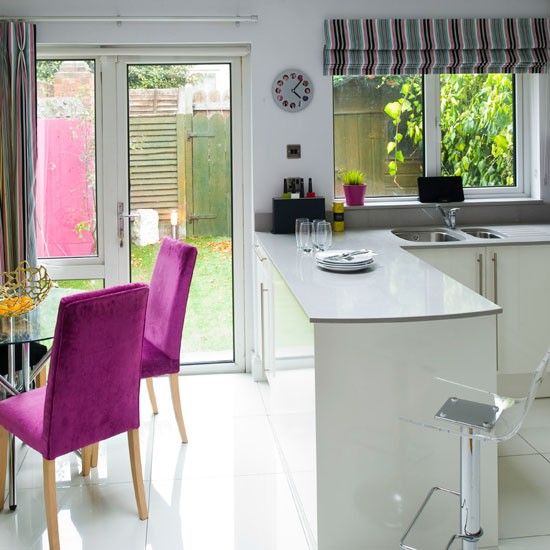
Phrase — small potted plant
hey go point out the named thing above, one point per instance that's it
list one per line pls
(354, 187)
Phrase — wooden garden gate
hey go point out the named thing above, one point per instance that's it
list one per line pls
(180, 158)
(206, 164)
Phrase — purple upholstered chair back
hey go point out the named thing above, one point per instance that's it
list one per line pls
(93, 385)
(168, 293)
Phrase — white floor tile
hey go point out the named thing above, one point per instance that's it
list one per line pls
(224, 445)
(212, 395)
(530, 543)
(289, 391)
(94, 516)
(306, 487)
(295, 433)
(536, 428)
(515, 446)
(113, 463)
(226, 489)
(524, 496)
(224, 513)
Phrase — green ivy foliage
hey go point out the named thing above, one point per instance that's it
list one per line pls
(476, 121)
(477, 129)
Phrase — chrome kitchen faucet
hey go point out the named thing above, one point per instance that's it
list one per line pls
(449, 216)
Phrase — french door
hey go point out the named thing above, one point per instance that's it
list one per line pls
(134, 148)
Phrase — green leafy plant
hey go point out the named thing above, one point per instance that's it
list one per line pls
(406, 116)
(477, 118)
(352, 177)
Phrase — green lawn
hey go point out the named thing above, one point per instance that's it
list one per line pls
(209, 316)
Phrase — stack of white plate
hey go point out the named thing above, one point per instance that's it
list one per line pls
(345, 260)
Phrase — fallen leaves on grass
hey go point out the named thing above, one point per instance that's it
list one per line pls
(223, 247)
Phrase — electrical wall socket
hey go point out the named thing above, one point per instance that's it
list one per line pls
(294, 151)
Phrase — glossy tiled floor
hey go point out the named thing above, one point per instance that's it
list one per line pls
(227, 489)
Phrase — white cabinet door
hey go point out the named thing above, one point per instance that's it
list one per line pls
(292, 331)
(464, 264)
(518, 279)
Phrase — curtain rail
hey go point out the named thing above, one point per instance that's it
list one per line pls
(135, 18)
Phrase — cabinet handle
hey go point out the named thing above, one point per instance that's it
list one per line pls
(495, 277)
(263, 290)
(480, 262)
(262, 322)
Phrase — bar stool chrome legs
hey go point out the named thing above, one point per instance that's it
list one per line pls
(474, 422)
(470, 483)
(470, 530)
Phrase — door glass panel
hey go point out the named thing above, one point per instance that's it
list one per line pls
(180, 185)
(81, 284)
(66, 164)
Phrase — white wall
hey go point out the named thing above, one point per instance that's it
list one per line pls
(288, 34)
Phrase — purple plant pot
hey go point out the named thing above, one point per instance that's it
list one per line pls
(355, 194)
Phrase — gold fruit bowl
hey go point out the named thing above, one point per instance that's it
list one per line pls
(23, 289)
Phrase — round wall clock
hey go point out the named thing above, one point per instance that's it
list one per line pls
(292, 90)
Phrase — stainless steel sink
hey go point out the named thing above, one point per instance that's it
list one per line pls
(482, 233)
(426, 235)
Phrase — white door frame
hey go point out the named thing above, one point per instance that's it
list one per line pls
(238, 365)
(112, 261)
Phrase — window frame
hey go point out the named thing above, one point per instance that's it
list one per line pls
(526, 127)
(92, 266)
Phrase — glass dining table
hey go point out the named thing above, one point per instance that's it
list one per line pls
(35, 326)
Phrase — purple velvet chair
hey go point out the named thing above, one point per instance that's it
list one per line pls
(92, 392)
(168, 293)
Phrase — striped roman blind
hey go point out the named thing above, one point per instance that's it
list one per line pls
(434, 46)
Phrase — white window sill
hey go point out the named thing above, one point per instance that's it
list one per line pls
(414, 203)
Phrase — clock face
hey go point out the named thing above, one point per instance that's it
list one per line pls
(292, 90)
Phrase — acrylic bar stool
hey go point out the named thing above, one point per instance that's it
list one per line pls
(498, 419)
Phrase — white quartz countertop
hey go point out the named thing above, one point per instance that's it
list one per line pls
(398, 287)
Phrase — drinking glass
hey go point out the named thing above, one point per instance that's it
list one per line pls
(304, 234)
(323, 235)
(314, 233)
(299, 221)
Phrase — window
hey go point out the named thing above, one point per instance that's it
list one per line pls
(396, 128)
(66, 164)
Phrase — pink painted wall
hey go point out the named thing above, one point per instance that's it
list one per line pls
(65, 194)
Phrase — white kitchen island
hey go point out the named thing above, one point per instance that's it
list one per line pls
(380, 338)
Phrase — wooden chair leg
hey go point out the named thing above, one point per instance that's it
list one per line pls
(4, 439)
(41, 378)
(176, 403)
(86, 453)
(50, 502)
(137, 473)
(152, 397)
(95, 455)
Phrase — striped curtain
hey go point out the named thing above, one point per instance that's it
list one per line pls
(434, 46)
(17, 143)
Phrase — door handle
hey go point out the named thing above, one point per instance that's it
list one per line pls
(120, 223)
